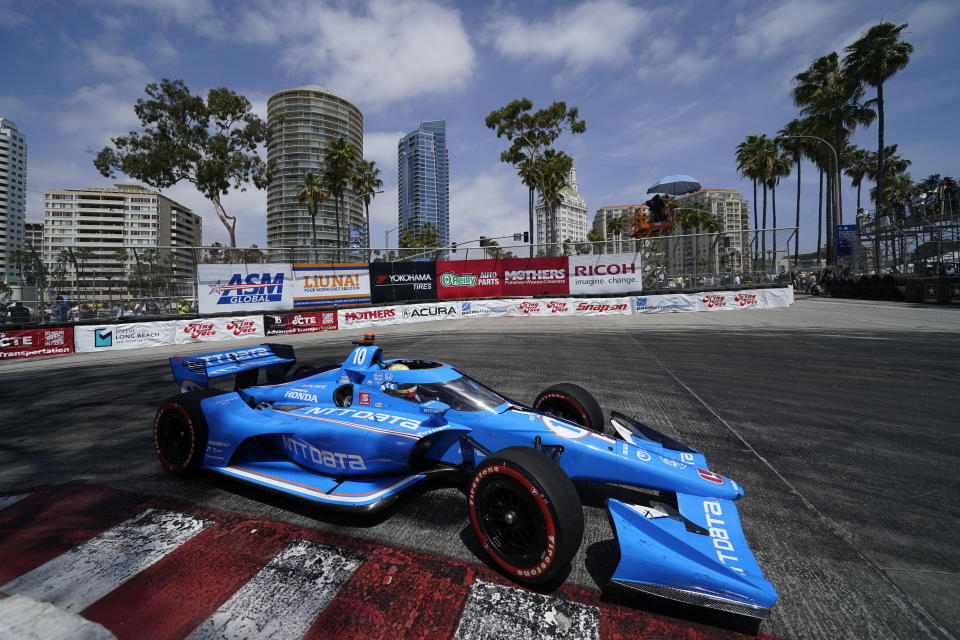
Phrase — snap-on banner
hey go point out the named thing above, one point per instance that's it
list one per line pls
(571, 307)
(243, 287)
(605, 273)
(326, 285)
(401, 281)
(123, 336)
(211, 329)
(30, 343)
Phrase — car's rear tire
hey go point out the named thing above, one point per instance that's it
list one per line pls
(526, 513)
(574, 403)
(180, 431)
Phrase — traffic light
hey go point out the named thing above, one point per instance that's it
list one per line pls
(453, 246)
(656, 209)
(526, 236)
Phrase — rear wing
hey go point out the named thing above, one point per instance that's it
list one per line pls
(195, 372)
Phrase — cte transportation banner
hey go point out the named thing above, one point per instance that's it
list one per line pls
(243, 287)
(306, 322)
(123, 336)
(209, 329)
(30, 343)
(606, 273)
(325, 285)
(715, 301)
(399, 281)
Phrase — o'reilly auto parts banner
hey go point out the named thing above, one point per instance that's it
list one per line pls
(30, 343)
(469, 279)
(305, 322)
(535, 276)
(243, 287)
(325, 285)
(123, 336)
(208, 329)
(399, 281)
(605, 273)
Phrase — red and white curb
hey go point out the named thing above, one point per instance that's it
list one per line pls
(143, 567)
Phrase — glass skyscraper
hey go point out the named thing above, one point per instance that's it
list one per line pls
(423, 174)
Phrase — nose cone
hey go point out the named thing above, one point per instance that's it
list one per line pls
(720, 486)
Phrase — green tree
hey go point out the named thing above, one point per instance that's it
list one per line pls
(531, 135)
(616, 226)
(857, 166)
(795, 148)
(595, 236)
(366, 183)
(873, 59)
(311, 192)
(556, 167)
(253, 255)
(211, 144)
(749, 165)
(339, 160)
(779, 168)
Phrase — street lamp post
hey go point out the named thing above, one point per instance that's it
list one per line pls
(836, 190)
(367, 223)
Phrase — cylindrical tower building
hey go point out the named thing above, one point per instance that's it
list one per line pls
(304, 121)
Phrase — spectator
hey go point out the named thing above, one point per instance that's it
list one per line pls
(59, 310)
(19, 314)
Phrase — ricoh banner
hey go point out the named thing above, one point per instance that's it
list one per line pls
(123, 336)
(605, 273)
(209, 329)
(325, 285)
(715, 301)
(243, 287)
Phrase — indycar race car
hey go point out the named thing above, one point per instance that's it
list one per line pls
(357, 434)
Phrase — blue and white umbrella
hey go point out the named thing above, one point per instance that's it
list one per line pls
(675, 185)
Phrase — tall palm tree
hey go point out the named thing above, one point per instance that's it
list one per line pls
(857, 166)
(875, 58)
(749, 166)
(556, 168)
(779, 168)
(339, 161)
(615, 226)
(366, 182)
(311, 192)
(794, 149)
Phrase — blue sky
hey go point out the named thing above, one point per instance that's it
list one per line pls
(664, 87)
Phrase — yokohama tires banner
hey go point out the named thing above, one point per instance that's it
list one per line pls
(607, 273)
(123, 336)
(31, 343)
(400, 281)
(306, 322)
(209, 329)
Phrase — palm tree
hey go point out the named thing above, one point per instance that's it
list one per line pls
(339, 160)
(616, 225)
(366, 182)
(794, 149)
(311, 192)
(556, 168)
(749, 166)
(874, 58)
(857, 165)
(779, 168)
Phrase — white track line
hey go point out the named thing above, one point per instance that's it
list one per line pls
(81, 576)
(6, 501)
(285, 597)
(494, 611)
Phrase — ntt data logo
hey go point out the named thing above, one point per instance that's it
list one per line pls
(256, 288)
(642, 303)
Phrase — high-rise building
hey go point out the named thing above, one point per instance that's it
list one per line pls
(571, 216)
(423, 176)
(33, 235)
(13, 195)
(107, 232)
(601, 223)
(304, 121)
(733, 212)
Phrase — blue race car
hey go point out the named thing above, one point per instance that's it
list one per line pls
(356, 435)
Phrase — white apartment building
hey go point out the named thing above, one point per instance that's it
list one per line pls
(109, 230)
(571, 217)
(614, 242)
(13, 195)
(728, 206)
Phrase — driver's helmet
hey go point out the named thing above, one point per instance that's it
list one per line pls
(407, 391)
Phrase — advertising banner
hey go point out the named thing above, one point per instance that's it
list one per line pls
(210, 329)
(356, 241)
(243, 287)
(430, 311)
(325, 285)
(535, 276)
(305, 322)
(605, 273)
(469, 279)
(360, 318)
(31, 343)
(399, 281)
(133, 335)
(715, 301)
(485, 308)
(571, 307)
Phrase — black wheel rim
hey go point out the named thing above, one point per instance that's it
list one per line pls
(175, 438)
(563, 409)
(512, 522)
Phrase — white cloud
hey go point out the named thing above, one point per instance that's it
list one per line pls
(767, 34)
(11, 19)
(491, 203)
(381, 147)
(100, 59)
(12, 107)
(386, 52)
(592, 33)
(95, 113)
(249, 207)
(930, 16)
(676, 63)
(201, 15)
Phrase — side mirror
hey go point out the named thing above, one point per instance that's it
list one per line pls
(434, 408)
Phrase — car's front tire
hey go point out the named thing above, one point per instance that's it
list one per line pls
(574, 403)
(526, 513)
(180, 431)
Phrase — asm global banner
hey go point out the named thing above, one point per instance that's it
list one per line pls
(243, 287)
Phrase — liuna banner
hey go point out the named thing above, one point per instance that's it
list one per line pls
(243, 287)
(30, 343)
(133, 335)
(715, 301)
(334, 284)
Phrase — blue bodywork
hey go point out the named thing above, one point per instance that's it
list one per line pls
(358, 434)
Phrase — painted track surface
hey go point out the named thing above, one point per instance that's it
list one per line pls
(837, 417)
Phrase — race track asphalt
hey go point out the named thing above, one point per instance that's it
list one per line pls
(838, 417)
